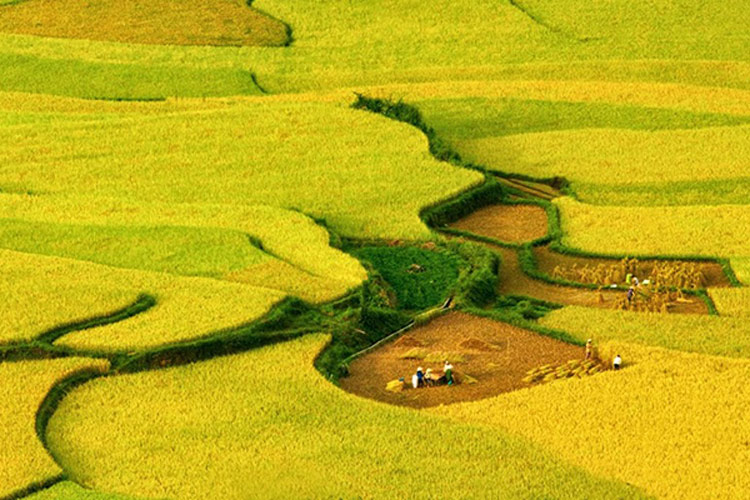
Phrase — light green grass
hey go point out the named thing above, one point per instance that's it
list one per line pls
(114, 80)
(186, 251)
(265, 424)
(68, 490)
(296, 258)
(477, 117)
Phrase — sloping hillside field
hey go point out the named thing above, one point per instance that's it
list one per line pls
(374, 249)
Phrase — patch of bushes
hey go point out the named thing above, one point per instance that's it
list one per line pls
(477, 282)
(420, 278)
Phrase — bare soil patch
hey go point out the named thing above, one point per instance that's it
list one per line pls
(497, 355)
(509, 223)
(188, 22)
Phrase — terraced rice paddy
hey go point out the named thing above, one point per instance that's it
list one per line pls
(206, 248)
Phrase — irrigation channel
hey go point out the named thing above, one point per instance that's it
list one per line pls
(493, 357)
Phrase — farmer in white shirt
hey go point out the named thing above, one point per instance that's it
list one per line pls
(617, 362)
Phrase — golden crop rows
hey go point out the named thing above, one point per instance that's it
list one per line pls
(652, 424)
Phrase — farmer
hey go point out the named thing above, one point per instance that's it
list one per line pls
(617, 362)
(428, 377)
(631, 292)
(420, 377)
(448, 369)
(589, 349)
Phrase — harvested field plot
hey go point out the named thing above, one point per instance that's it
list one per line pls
(489, 358)
(607, 271)
(511, 223)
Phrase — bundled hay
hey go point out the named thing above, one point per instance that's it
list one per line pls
(395, 386)
(415, 353)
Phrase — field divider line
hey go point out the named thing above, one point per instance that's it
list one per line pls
(34, 488)
(143, 303)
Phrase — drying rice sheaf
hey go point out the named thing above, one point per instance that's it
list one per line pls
(265, 424)
(24, 386)
(186, 307)
(650, 424)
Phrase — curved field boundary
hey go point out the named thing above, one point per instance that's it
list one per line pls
(53, 399)
(34, 488)
(143, 303)
(281, 324)
(439, 215)
(43, 347)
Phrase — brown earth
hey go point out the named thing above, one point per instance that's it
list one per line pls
(496, 354)
(547, 260)
(188, 22)
(509, 223)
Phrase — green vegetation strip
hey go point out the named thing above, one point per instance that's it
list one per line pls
(142, 303)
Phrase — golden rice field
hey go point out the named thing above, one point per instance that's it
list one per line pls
(674, 424)
(277, 428)
(198, 165)
(690, 230)
(24, 386)
(296, 257)
(718, 335)
(292, 149)
(186, 308)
